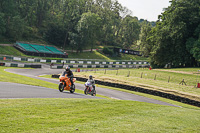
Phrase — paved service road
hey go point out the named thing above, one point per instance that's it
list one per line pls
(34, 73)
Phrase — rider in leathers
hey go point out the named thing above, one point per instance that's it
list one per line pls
(92, 81)
(69, 75)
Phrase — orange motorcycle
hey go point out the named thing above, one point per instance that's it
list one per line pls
(65, 84)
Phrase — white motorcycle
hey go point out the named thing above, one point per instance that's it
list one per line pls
(89, 89)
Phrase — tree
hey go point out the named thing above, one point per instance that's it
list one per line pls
(88, 28)
(193, 44)
(55, 34)
(109, 11)
(2, 24)
(173, 29)
(16, 28)
(144, 40)
(68, 23)
(130, 31)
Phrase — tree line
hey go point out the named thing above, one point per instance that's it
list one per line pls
(175, 40)
(75, 24)
(78, 24)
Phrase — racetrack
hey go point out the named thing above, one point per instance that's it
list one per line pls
(14, 90)
(42, 92)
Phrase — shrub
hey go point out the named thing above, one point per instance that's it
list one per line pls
(108, 51)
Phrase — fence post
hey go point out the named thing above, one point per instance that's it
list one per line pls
(155, 77)
(105, 71)
(128, 74)
(168, 79)
(117, 72)
(141, 74)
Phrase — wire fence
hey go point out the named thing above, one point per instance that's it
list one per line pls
(143, 73)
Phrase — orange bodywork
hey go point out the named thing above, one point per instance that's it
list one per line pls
(65, 79)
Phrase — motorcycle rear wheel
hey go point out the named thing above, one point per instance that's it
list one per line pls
(73, 89)
(85, 91)
(61, 87)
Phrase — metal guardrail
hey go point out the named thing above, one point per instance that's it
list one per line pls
(71, 61)
(20, 65)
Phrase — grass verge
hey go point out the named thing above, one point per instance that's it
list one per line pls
(15, 78)
(85, 115)
(146, 79)
(88, 55)
(10, 50)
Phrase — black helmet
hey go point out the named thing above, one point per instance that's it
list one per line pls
(90, 77)
(67, 68)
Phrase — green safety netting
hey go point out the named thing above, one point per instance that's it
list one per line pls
(40, 48)
(26, 47)
(54, 50)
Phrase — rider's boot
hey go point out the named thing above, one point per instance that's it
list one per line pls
(72, 84)
(93, 87)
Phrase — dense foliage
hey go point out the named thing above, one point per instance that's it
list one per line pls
(175, 39)
(72, 24)
(81, 24)
(108, 51)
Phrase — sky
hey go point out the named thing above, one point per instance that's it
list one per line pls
(145, 9)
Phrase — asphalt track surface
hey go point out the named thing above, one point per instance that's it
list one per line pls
(13, 90)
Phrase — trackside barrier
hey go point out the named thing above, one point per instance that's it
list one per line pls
(100, 66)
(55, 76)
(2, 64)
(20, 65)
(142, 90)
(71, 61)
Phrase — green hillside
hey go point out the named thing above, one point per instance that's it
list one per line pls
(10, 50)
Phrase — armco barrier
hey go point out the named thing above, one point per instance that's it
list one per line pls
(100, 66)
(143, 90)
(91, 62)
(55, 76)
(21, 65)
(2, 64)
(36, 66)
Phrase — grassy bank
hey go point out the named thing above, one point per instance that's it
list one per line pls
(10, 50)
(84, 115)
(165, 81)
(87, 55)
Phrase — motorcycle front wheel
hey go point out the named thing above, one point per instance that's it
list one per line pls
(61, 87)
(85, 91)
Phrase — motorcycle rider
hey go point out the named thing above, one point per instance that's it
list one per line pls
(92, 81)
(69, 75)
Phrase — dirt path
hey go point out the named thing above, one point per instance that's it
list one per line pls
(176, 71)
(6, 44)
